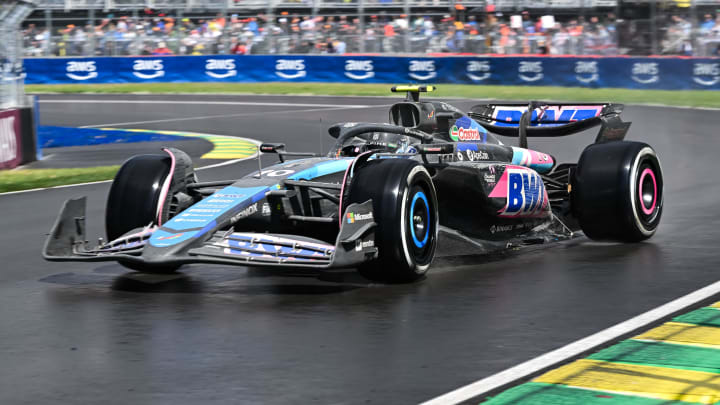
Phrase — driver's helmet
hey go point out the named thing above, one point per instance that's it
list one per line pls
(382, 142)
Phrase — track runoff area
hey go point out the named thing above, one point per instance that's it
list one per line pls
(676, 361)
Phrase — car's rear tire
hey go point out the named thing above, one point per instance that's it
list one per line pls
(617, 191)
(405, 209)
(136, 197)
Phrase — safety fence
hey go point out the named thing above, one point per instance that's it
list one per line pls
(620, 72)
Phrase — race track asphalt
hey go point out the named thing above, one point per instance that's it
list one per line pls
(91, 333)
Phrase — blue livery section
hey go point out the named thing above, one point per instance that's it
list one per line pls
(267, 247)
(511, 117)
(201, 217)
(322, 169)
(667, 73)
(203, 214)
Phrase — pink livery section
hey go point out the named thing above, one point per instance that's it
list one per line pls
(538, 161)
(524, 193)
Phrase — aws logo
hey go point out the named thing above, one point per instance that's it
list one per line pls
(478, 70)
(365, 67)
(148, 68)
(530, 71)
(78, 70)
(586, 72)
(220, 68)
(422, 69)
(706, 74)
(290, 68)
(645, 73)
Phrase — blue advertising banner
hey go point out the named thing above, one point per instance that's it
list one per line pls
(595, 72)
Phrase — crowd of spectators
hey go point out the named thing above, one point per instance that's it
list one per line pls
(682, 39)
(488, 33)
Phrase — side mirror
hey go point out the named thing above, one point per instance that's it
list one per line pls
(272, 147)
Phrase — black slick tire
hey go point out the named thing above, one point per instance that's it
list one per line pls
(617, 191)
(134, 198)
(405, 210)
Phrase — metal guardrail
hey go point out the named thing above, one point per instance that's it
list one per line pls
(12, 91)
(286, 44)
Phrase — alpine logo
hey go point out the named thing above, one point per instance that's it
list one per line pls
(364, 67)
(290, 68)
(530, 71)
(645, 73)
(586, 72)
(81, 70)
(148, 68)
(422, 69)
(524, 192)
(706, 74)
(478, 70)
(464, 134)
(220, 68)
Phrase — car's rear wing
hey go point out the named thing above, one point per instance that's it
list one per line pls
(546, 119)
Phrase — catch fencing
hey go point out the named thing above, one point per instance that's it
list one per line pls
(666, 73)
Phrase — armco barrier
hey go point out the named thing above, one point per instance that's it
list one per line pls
(596, 72)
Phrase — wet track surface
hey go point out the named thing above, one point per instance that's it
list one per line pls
(86, 333)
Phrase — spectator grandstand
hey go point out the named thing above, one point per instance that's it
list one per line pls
(200, 27)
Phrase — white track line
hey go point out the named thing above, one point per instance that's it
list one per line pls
(195, 102)
(573, 349)
(117, 124)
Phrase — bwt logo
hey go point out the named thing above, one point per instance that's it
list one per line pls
(526, 195)
(292, 65)
(75, 70)
(365, 66)
(155, 66)
(645, 73)
(706, 74)
(478, 70)
(586, 72)
(220, 68)
(8, 142)
(530, 71)
(418, 67)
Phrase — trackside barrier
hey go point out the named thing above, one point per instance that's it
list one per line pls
(595, 72)
(17, 137)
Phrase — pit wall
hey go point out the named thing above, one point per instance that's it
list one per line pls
(666, 73)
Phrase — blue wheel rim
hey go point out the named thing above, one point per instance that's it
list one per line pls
(419, 196)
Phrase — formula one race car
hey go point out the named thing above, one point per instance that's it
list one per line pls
(384, 196)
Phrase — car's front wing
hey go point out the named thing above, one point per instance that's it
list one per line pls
(355, 244)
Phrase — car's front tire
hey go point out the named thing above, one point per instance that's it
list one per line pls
(139, 195)
(405, 209)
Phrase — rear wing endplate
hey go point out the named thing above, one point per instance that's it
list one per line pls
(545, 119)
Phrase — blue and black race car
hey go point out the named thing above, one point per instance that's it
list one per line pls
(385, 195)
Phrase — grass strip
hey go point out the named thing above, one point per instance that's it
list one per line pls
(25, 179)
(550, 394)
(702, 316)
(659, 354)
(688, 98)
